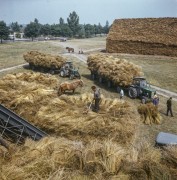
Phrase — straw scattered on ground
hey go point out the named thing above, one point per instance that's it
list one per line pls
(80, 146)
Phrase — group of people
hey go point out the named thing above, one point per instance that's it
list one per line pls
(155, 100)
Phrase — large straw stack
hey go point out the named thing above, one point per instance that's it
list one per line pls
(44, 60)
(119, 71)
(156, 36)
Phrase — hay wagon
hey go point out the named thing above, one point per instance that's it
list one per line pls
(120, 74)
(139, 88)
(44, 62)
(52, 69)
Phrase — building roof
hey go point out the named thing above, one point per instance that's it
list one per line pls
(147, 30)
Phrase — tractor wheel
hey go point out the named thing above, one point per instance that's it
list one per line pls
(62, 74)
(109, 84)
(118, 89)
(93, 76)
(52, 72)
(132, 92)
(100, 80)
(71, 77)
(79, 76)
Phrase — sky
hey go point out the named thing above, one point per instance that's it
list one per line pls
(89, 11)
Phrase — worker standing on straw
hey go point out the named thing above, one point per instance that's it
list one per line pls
(121, 93)
(96, 98)
(169, 106)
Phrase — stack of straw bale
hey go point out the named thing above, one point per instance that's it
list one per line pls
(149, 113)
(119, 71)
(156, 36)
(44, 60)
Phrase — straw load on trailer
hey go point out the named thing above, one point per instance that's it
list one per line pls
(119, 71)
(41, 60)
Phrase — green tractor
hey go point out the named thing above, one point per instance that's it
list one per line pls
(67, 70)
(141, 89)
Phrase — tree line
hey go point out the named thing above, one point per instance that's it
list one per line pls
(70, 29)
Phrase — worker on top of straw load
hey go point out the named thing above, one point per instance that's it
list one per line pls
(96, 98)
(121, 93)
(169, 106)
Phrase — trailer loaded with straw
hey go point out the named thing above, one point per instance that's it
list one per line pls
(120, 74)
(44, 62)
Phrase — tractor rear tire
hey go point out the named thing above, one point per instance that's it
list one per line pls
(118, 89)
(132, 92)
(52, 72)
(109, 84)
(93, 77)
(100, 80)
(71, 77)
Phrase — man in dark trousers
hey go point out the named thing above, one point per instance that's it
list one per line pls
(169, 106)
(96, 98)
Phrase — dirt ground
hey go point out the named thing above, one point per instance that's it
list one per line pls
(159, 70)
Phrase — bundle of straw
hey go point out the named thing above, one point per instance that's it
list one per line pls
(149, 113)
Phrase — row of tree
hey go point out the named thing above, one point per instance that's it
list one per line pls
(70, 29)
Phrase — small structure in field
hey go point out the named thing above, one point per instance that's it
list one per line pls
(153, 36)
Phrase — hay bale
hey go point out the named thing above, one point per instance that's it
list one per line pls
(119, 71)
(149, 114)
(44, 60)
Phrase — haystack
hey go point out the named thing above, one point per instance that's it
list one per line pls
(44, 60)
(119, 71)
(149, 113)
(155, 36)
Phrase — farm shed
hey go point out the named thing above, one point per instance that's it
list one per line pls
(153, 36)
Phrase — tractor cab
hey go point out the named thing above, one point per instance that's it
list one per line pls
(140, 88)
